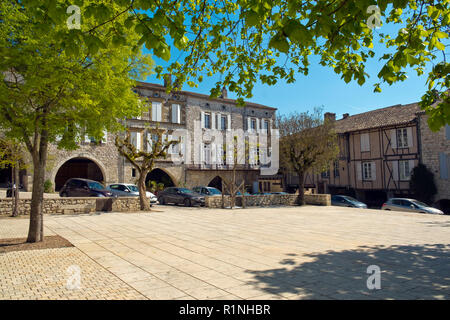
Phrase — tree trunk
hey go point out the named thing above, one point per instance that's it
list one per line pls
(143, 201)
(39, 155)
(301, 191)
(15, 212)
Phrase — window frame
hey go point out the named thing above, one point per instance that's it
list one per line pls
(402, 174)
(402, 138)
(367, 165)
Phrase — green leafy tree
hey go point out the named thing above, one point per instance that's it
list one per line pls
(307, 143)
(247, 41)
(12, 156)
(51, 95)
(422, 184)
(144, 161)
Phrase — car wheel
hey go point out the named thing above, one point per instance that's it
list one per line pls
(187, 203)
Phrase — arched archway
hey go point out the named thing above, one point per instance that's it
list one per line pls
(79, 167)
(216, 183)
(160, 176)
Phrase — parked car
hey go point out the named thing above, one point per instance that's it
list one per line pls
(78, 187)
(260, 193)
(280, 192)
(181, 196)
(346, 201)
(129, 190)
(409, 205)
(207, 191)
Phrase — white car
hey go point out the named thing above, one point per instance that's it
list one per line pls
(129, 190)
(409, 205)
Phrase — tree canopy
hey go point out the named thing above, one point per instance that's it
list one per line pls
(246, 41)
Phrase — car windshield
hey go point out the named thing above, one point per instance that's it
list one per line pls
(418, 203)
(214, 191)
(185, 190)
(351, 199)
(95, 185)
(133, 188)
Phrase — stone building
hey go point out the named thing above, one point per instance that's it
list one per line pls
(193, 118)
(435, 155)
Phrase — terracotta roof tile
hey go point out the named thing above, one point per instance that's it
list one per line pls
(389, 116)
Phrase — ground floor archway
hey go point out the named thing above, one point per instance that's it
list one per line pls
(216, 183)
(78, 168)
(159, 176)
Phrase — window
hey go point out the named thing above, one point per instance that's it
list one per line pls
(207, 120)
(133, 172)
(405, 170)
(367, 171)
(253, 124)
(336, 169)
(176, 113)
(156, 111)
(402, 138)
(365, 142)
(266, 125)
(223, 122)
(326, 174)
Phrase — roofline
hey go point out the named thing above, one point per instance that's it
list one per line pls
(201, 95)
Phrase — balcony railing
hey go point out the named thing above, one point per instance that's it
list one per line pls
(222, 167)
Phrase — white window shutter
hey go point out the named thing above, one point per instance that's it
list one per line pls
(374, 171)
(365, 142)
(229, 122)
(213, 153)
(202, 152)
(202, 119)
(213, 120)
(105, 137)
(394, 139)
(138, 141)
(410, 137)
(176, 113)
(153, 111)
(358, 170)
(258, 121)
(411, 166)
(249, 124)
(149, 141)
(395, 170)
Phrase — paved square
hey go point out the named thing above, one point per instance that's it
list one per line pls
(257, 253)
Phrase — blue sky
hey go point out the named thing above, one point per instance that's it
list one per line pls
(324, 88)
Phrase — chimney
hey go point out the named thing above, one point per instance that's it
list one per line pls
(345, 116)
(167, 80)
(224, 93)
(329, 116)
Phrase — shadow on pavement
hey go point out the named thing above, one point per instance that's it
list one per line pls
(407, 272)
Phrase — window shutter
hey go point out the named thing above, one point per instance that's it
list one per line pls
(202, 119)
(229, 122)
(394, 139)
(410, 137)
(202, 152)
(249, 124)
(138, 141)
(258, 121)
(447, 131)
(213, 120)
(213, 153)
(411, 166)
(374, 171)
(170, 150)
(443, 168)
(395, 170)
(175, 113)
(149, 141)
(358, 170)
(365, 143)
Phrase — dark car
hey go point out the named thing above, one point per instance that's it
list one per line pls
(78, 187)
(207, 191)
(181, 196)
(346, 201)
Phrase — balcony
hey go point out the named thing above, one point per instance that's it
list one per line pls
(221, 167)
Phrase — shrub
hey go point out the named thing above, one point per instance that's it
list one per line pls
(48, 186)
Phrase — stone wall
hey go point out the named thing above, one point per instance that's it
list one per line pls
(433, 143)
(74, 205)
(269, 200)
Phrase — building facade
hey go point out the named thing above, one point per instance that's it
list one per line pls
(378, 150)
(195, 120)
(435, 155)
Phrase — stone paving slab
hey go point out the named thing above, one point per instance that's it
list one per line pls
(260, 253)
